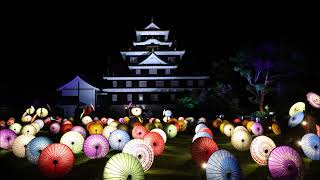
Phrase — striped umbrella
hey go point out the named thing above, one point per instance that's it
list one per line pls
(7, 137)
(310, 144)
(171, 130)
(56, 160)
(35, 147)
(16, 127)
(201, 134)
(55, 128)
(228, 129)
(108, 130)
(123, 166)
(285, 163)
(296, 119)
(241, 140)
(261, 148)
(118, 139)
(96, 146)
(223, 165)
(257, 129)
(202, 148)
(156, 142)
(199, 126)
(161, 132)
(138, 132)
(297, 107)
(313, 99)
(29, 130)
(141, 150)
(73, 140)
(80, 130)
(19, 145)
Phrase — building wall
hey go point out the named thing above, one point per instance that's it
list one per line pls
(86, 96)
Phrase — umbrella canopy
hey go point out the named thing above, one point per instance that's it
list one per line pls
(241, 140)
(19, 145)
(42, 112)
(86, 120)
(158, 125)
(190, 119)
(7, 137)
(156, 142)
(161, 132)
(95, 128)
(261, 148)
(249, 125)
(55, 128)
(40, 122)
(35, 147)
(138, 132)
(223, 165)
(16, 127)
(207, 130)
(216, 123)
(276, 129)
(297, 107)
(296, 119)
(201, 134)
(73, 140)
(240, 128)
(108, 130)
(123, 166)
(183, 125)
(313, 99)
(36, 126)
(201, 149)
(141, 150)
(28, 129)
(118, 139)
(285, 163)
(228, 129)
(171, 130)
(199, 126)
(80, 130)
(66, 128)
(310, 144)
(257, 129)
(96, 146)
(56, 160)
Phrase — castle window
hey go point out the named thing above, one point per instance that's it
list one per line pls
(133, 59)
(114, 97)
(167, 71)
(154, 97)
(174, 83)
(189, 83)
(138, 71)
(159, 83)
(142, 83)
(140, 97)
(128, 83)
(152, 71)
(129, 97)
(114, 83)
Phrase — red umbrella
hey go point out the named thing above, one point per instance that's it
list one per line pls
(138, 132)
(156, 142)
(207, 130)
(56, 160)
(202, 148)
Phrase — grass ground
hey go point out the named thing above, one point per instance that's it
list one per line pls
(175, 163)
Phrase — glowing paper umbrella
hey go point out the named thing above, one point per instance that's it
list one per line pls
(108, 130)
(201, 134)
(28, 129)
(19, 145)
(11, 121)
(216, 123)
(249, 125)
(73, 140)
(123, 166)
(96, 146)
(297, 107)
(245, 122)
(221, 127)
(7, 137)
(56, 160)
(80, 130)
(66, 128)
(318, 130)
(110, 120)
(202, 120)
(285, 163)
(171, 130)
(158, 125)
(241, 140)
(310, 144)
(228, 129)
(114, 123)
(40, 122)
(104, 120)
(35, 147)
(156, 142)
(124, 127)
(141, 150)
(95, 128)
(36, 126)
(206, 130)
(16, 127)
(118, 139)
(161, 132)
(223, 165)
(199, 126)
(237, 120)
(138, 132)
(42, 112)
(190, 119)
(257, 129)
(240, 128)
(149, 126)
(183, 125)
(313, 99)
(55, 128)
(261, 148)
(202, 148)
(276, 129)
(296, 119)
(86, 120)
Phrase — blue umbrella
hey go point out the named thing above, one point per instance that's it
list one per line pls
(310, 144)
(118, 139)
(35, 147)
(201, 134)
(199, 126)
(223, 165)
(296, 119)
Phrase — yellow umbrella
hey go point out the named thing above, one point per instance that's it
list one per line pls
(249, 125)
(297, 107)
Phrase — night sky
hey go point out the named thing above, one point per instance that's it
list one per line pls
(45, 50)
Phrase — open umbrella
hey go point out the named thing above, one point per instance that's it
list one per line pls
(55, 128)
(257, 129)
(297, 107)
(199, 126)
(16, 127)
(96, 146)
(313, 99)
(310, 144)
(296, 119)
(28, 129)
(241, 140)
(171, 130)
(118, 139)
(7, 137)
(56, 160)
(19, 145)
(276, 129)
(261, 148)
(156, 142)
(73, 140)
(35, 147)
(249, 125)
(80, 130)
(201, 134)
(138, 132)
(36, 126)
(216, 123)
(108, 130)
(123, 166)
(240, 128)
(183, 125)
(161, 132)
(141, 150)
(40, 122)
(201, 150)
(285, 163)
(207, 130)
(228, 129)
(223, 165)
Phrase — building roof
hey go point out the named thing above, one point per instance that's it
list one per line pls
(159, 53)
(77, 83)
(152, 59)
(152, 41)
(152, 26)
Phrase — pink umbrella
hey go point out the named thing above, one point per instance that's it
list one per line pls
(156, 142)
(138, 132)
(313, 99)
(96, 146)
(257, 129)
(7, 137)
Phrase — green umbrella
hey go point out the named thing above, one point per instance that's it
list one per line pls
(171, 130)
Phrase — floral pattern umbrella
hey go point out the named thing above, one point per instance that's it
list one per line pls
(310, 144)
(7, 137)
(35, 147)
(96, 146)
(261, 148)
(202, 148)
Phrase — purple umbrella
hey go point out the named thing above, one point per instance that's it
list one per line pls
(7, 137)
(96, 146)
(80, 130)
(285, 163)
(257, 129)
